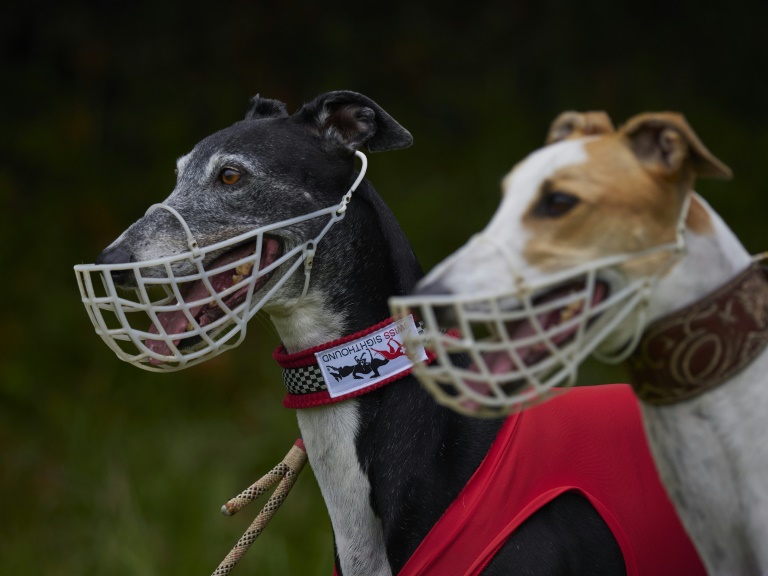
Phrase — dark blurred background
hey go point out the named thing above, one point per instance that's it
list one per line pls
(105, 469)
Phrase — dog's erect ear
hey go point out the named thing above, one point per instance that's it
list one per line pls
(666, 144)
(570, 125)
(265, 108)
(347, 120)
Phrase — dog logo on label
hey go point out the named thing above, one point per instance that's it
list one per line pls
(377, 356)
(370, 364)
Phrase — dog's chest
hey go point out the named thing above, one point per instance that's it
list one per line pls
(329, 434)
(711, 456)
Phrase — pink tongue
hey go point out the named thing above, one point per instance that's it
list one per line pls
(501, 362)
(176, 322)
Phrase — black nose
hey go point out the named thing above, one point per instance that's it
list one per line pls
(118, 255)
(444, 314)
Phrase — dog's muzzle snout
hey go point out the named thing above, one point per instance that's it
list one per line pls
(118, 255)
(171, 312)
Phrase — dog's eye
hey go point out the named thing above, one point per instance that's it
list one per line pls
(229, 176)
(555, 204)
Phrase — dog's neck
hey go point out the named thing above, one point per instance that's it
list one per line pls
(714, 256)
(707, 318)
(311, 323)
(329, 433)
(375, 457)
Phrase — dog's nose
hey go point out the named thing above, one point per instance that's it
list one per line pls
(444, 314)
(118, 255)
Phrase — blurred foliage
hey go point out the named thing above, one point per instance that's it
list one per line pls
(105, 469)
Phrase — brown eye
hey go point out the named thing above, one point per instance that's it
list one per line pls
(229, 176)
(555, 204)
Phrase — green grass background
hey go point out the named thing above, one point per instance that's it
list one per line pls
(105, 469)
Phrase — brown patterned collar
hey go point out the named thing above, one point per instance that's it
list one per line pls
(703, 345)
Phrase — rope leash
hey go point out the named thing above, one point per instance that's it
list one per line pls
(284, 475)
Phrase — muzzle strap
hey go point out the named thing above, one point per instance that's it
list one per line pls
(191, 242)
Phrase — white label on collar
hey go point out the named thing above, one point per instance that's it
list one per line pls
(368, 360)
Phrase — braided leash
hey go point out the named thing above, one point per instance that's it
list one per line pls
(284, 475)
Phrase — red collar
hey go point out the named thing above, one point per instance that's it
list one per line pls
(371, 359)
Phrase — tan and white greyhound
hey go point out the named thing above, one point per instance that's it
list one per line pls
(601, 246)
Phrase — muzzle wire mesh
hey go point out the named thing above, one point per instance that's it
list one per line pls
(132, 322)
(505, 356)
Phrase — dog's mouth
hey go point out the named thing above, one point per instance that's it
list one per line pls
(231, 284)
(529, 341)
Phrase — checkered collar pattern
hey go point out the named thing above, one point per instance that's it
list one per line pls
(304, 380)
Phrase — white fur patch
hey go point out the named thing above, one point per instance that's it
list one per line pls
(329, 434)
(308, 324)
(710, 260)
(712, 458)
(182, 163)
(711, 451)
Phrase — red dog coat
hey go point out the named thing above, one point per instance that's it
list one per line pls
(589, 440)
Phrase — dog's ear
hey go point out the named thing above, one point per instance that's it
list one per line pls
(667, 145)
(570, 125)
(265, 108)
(346, 121)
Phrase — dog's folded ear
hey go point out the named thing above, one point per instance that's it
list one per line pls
(346, 121)
(265, 108)
(570, 125)
(666, 144)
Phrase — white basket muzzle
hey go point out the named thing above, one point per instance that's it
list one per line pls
(501, 352)
(170, 321)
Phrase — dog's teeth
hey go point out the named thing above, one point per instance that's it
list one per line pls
(190, 326)
(244, 269)
(237, 278)
(570, 311)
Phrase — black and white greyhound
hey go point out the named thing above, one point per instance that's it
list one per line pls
(391, 461)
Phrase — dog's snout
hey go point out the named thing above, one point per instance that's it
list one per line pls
(115, 255)
(118, 255)
(445, 315)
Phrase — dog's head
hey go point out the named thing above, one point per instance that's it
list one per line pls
(593, 192)
(267, 168)
(233, 234)
(563, 264)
